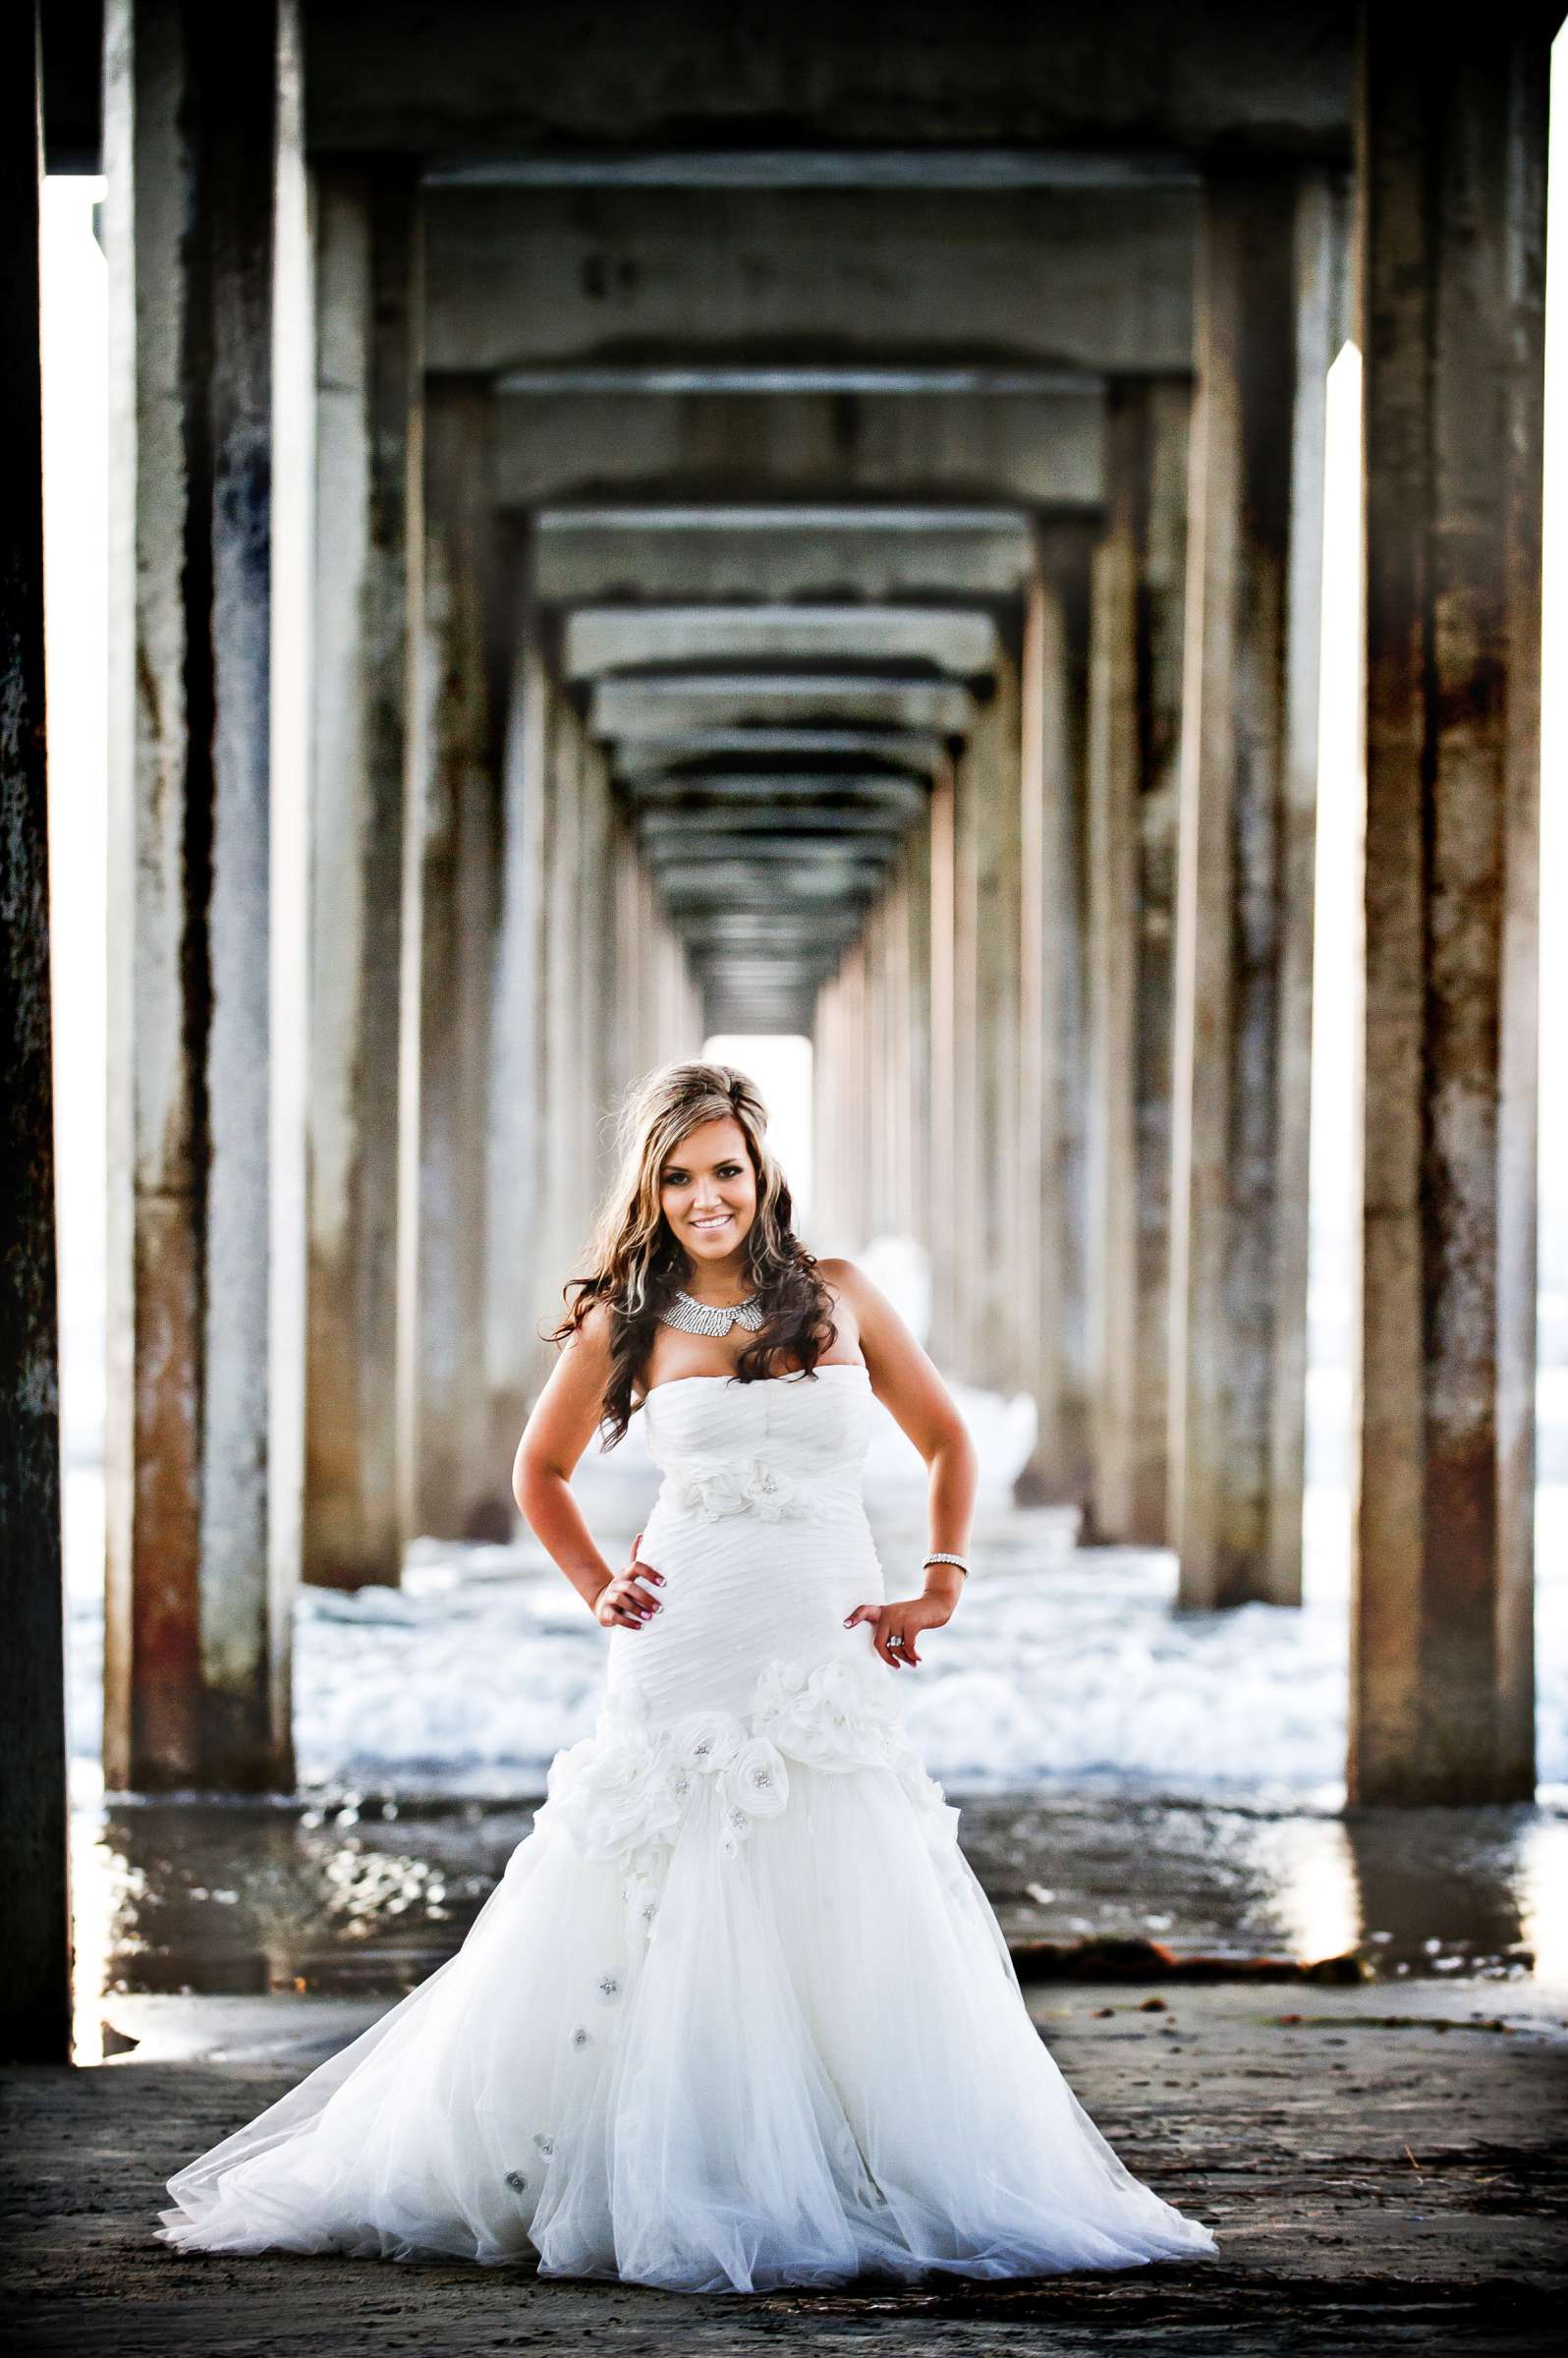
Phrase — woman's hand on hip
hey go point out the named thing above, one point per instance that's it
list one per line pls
(896, 1628)
(623, 1602)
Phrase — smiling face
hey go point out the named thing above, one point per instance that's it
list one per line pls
(707, 1191)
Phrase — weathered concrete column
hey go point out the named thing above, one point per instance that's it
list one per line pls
(1052, 1063)
(597, 971)
(853, 1197)
(368, 569)
(873, 1106)
(191, 1696)
(1133, 737)
(625, 1017)
(917, 886)
(1452, 169)
(36, 2013)
(516, 1359)
(460, 1493)
(578, 958)
(942, 977)
(823, 1144)
(1242, 1006)
(562, 1094)
(902, 1208)
(968, 1098)
(990, 1214)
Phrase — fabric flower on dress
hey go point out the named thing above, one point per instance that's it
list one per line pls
(739, 1486)
(828, 1714)
(609, 1793)
(706, 1740)
(734, 1828)
(759, 1783)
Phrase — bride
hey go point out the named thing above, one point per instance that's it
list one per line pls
(738, 2013)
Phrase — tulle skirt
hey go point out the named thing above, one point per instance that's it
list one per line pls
(737, 2015)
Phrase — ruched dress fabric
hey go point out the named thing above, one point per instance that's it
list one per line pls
(739, 2013)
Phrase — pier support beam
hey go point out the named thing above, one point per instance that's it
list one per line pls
(1053, 978)
(1134, 740)
(517, 1362)
(36, 2012)
(190, 1695)
(458, 1489)
(1452, 173)
(1243, 1005)
(368, 556)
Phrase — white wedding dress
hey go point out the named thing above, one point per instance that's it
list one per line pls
(738, 2013)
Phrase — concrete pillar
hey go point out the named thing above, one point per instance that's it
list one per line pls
(1452, 168)
(368, 567)
(855, 1197)
(35, 2017)
(1242, 1008)
(942, 970)
(561, 1095)
(917, 867)
(1053, 1061)
(649, 942)
(821, 1231)
(600, 971)
(624, 1019)
(873, 1108)
(989, 1213)
(1320, 260)
(1134, 736)
(461, 1492)
(903, 1211)
(516, 1360)
(191, 1691)
(579, 962)
(969, 856)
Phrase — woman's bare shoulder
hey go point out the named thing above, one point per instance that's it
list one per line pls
(591, 1347)
(841, 1276)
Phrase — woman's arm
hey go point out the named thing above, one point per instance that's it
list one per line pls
(560, 1425)
(905, 1380)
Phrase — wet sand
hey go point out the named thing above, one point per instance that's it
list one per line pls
(1384, 2166)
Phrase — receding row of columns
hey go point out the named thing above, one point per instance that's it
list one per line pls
(1118, 900)
(487, 963)
(470, 861)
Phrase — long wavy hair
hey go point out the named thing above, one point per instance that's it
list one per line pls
(637, 1263)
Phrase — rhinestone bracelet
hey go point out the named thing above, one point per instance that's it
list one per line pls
(949, 1559)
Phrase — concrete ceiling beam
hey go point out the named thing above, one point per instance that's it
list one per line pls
(743, 884)
(819, 96)
(833, 788)
(743, 930)
(962, 642)
(768, 822)
(578, 562)
(1043, 450)
(663, 708)
(964, 170)
(1087, 278)
(689, 841)
(695, 376)
(837, 752)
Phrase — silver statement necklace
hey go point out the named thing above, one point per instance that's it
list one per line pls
(704, 1318)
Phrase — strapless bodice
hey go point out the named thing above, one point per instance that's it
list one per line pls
(760, 1532)
(783, 1446)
